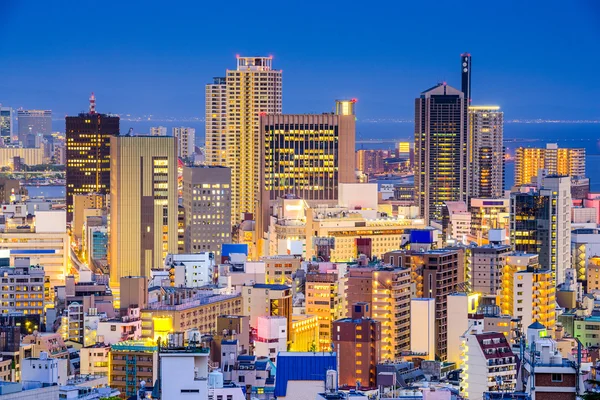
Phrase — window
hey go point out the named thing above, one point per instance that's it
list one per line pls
(557, 378)
(241, 379)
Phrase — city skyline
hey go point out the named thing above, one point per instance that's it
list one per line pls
(528, 74)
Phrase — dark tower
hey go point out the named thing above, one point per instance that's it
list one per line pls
(88, 153)
(465, 64)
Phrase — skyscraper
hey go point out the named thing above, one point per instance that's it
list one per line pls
(253, 88)
(486, 137)
(34, 122)
(465, 64)
(6, 124)
(186, 139)
(143, 204)
(207, 203)
(307, 155)
(441, 149)
(540, 223)
(216, 123)
(88, 153)
(555, 160)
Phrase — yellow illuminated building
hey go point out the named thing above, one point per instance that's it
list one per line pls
(279, 269)
(515, 262)
(305, 333)
(143, 204)
(323, 301)
(233, 105)
(534, 295)
(557, 161)
(593, 274)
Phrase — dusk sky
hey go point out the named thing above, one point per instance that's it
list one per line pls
(536, 59)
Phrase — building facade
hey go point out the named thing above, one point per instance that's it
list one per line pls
(486, 138)
(557, 161)
(233, 136)
(186, 140)
(441, 149)
(143, 204)
(88, 153)
(6, 124)
(34, 122)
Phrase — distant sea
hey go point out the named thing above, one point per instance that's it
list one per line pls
(515, 135)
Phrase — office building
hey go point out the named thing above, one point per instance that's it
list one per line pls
(422, 328)
(489, 214)
(357, 341)
(308, 155)
(85, 205)
(191, 270)
(369, 161)
(305, 332)
(487, 264)
(486, 141)
(233, 125)
(279, 269)
(441, 149)
(555, 160)
(27, 296)
(207, 203)
(541, 223)
(143, 204)
(456, 221)
(27, 156)
(186, 140)
(34, 122)
(387, 291)
(88, 153)
(323, 299)
(6, 125)
(158, 131)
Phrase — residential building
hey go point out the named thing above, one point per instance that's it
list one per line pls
(34, 122)
(191, 270)
(555, 160)
(461, 307)
(88, 153)
(158, 131)
(279, 269)
(436, 274)
(592, 275)
(388, 292)
(262, 299)
(186, 140)
(180, 229)
(514, 262)
(357, 340)
(186, 311)
(94, 359)
(486, 139)
(143, 205)
(422, 328)
(535, 286)
(207, 203)
(6, 125)
(126, 327)
(369, 161)
(441, 149)
(456, 221)
(585, 247)
(487, 265)
(488, 363)
(22, 288)
(271, 337)
(216, 122)
(323, 299)
(44, 369)
(132, 362)
(541, 223)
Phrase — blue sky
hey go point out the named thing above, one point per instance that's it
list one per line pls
(536, 59)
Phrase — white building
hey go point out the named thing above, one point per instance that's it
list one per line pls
(128, 327)
(537, 287)
(52, 371)
(186, 139)
(460, 305)
(458, 221)
(422, 327)
(271, 337)
(158, 131)
(191, 270)
(94, 360)
(488, 364)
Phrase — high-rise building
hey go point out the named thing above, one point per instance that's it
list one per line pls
(357, 341)
(441, 149)
(307, 155)
(186, 139)
(216, 123)
(158, 131)
(515, 262)
(323, 300)
(541, 224)
(486, 125)
(88, 153)
(207, 203)
(465, 73)
(487, 265)
(555, 160)
(34, 122)
(537, 287)
(143, 204)
(369, 161)
(6, 124)
(233, 136)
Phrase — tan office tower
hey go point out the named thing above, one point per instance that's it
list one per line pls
(557, 161)
(486, 135)
(252, 89)
(143, 204)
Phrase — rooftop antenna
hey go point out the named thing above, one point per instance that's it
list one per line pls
(92, 104)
